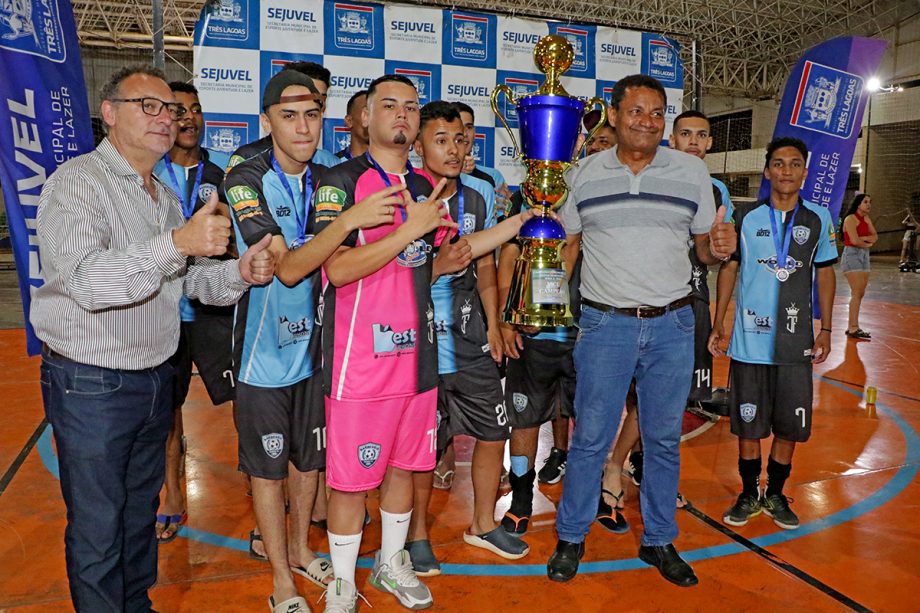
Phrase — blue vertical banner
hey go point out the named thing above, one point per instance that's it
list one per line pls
(823, 105)
(44, 121)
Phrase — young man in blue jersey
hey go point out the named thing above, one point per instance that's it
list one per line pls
(321, 78)
(491, 175)
(193, 173)
(785, 245)
(470, 398)
(281, 419)
(358, 140)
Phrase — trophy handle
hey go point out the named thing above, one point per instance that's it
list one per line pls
(504, 89)
(600, 123)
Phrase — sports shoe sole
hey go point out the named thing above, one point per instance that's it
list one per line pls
(782, 525)
(475, 541)
(415, 606)
(732, 522)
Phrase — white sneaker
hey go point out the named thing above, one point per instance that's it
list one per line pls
(397, 577)
(341, 597)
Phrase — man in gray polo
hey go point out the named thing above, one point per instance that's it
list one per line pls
(630, 210)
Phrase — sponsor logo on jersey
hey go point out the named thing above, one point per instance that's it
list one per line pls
(792, 318)
(273, 444)
(468, 223)
(227, 20)
(827, 100)
(697, 277)
(441, 327)
(292, 332)
(386, 340)
(354, 26)
(244, 201)
(748, 412)
(662, 60)
(465, 311)
(519, 401)
(368, 454)
(469, 35)
(758, 324)
(205, 190)
(283, 211)
(800, 234)
(328, 202)
(770, 264)
(761, 232)
(32, 27)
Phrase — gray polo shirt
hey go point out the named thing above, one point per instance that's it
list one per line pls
(634, 228)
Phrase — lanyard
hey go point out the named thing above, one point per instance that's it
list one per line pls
(386, 179)
(459, 206)
(304, 200)
(782, 252)
(347, 153)
(188, 199)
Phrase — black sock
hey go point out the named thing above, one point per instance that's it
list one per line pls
(750, 476)
(776, 476)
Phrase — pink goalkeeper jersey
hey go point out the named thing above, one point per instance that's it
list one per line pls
(378, 332)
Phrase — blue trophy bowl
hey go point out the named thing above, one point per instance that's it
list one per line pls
(545, 228)
(549, 126)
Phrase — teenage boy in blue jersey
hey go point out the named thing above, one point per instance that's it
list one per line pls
(785, 245)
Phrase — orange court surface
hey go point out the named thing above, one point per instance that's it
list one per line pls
(854, 486)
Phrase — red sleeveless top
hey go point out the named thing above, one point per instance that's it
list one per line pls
(862, 229)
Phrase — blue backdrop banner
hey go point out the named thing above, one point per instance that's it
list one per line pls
(823, 105)
(44, 121)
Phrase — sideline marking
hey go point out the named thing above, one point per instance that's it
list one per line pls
(901, 479)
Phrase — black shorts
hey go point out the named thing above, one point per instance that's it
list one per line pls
(771, 397)
(280, 424)
(701, 386)
(471, 402)
(538, 382)
(207, 342)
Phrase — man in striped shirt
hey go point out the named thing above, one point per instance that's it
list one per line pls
(115, 252)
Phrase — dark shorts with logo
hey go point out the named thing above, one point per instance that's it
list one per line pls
(208, 342)
(701, 386)
(539, 382)
(471, 402)
(276, 425)
(767, 398)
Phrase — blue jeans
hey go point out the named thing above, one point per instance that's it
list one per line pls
(110, 427)
(612, 349)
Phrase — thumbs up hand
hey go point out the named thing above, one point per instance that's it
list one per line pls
(723, 239)
(206, 233)
(257, 266)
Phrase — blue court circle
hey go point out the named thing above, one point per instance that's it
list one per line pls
(902, 478)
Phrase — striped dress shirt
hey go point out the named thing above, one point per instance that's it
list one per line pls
(113, 276)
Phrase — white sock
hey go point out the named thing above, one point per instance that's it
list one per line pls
(394, 528)
(343, 551)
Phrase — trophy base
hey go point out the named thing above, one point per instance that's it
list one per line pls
(539, 318)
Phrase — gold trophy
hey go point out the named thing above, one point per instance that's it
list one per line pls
(550, 122)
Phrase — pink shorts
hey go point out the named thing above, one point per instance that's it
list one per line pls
(364, 437)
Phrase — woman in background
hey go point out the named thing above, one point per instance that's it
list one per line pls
(858, 235)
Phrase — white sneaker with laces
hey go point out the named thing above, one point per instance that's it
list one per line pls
(397, 577)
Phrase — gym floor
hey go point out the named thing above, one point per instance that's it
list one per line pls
(853, 484)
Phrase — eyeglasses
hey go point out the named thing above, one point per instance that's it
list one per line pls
(154, 106)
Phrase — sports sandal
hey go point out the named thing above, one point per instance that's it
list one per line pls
(171, 525)
(253, 537)
(316, 572)
(292, 605)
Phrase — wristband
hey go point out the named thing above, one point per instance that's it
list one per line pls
(826, 330)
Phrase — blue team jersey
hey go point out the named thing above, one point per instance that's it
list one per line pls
(276, 330)
(211, 177)
(495, 174)
(773, 323)
(724, 198)
(460, 322)
(326, 158)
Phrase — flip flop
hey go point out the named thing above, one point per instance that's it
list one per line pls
(316, 571)
(253, 537)
(173, 522)
(609, 517)
(443, 481)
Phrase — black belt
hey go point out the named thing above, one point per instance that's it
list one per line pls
(642, 312)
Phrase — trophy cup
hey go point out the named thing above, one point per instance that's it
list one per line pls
(550, 122)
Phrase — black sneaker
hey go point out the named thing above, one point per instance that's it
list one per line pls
(746, 507)
(517, 519)
(554, 467)
(777, 507)
(634, 468)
